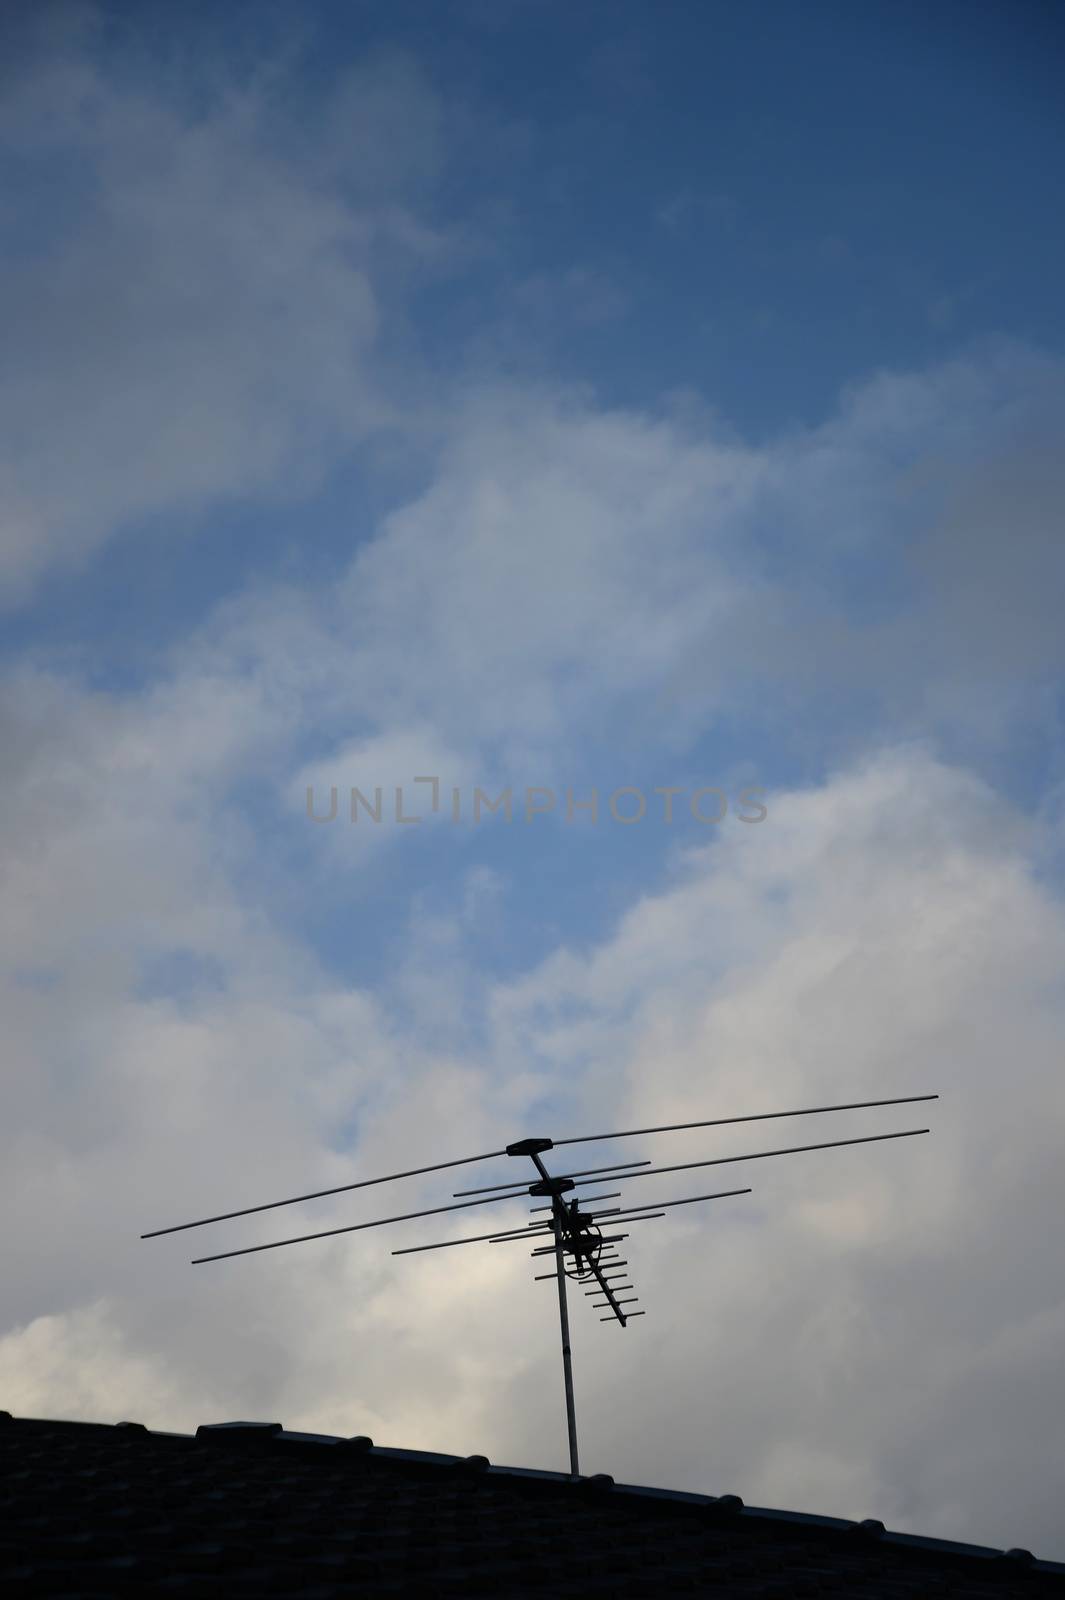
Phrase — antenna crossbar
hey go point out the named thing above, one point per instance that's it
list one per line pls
(689, 1200)
(494, 1188)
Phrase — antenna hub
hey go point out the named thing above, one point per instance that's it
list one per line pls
(583, 1244)
(551, 1186)
(530, 1147)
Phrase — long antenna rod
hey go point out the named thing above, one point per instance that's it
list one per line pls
(623, 1175)
(352, 1227)
(761, 1116)
(759, 1155)
(318, 1194)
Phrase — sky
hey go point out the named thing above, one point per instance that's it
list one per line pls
(658, 407)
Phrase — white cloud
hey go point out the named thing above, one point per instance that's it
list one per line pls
(370, 790)
(575, 580)
(207, 324)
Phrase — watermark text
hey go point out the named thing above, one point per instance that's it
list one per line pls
(624, 807)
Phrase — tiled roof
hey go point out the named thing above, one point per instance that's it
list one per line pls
(250, 1509)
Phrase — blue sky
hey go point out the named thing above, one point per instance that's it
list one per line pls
(580, 398)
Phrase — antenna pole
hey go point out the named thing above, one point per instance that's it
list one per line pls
(532, 1149)
(567, 1363)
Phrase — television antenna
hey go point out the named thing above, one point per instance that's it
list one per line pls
(572, 1232)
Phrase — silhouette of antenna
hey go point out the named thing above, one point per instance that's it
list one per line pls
(572, 1229)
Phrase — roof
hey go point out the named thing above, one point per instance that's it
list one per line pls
(91, 1509)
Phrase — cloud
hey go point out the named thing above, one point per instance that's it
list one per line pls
(572, 572)
(562, 559)
(196, 317)
(380, 783)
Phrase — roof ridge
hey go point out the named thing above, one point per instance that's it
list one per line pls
(243, 1434)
